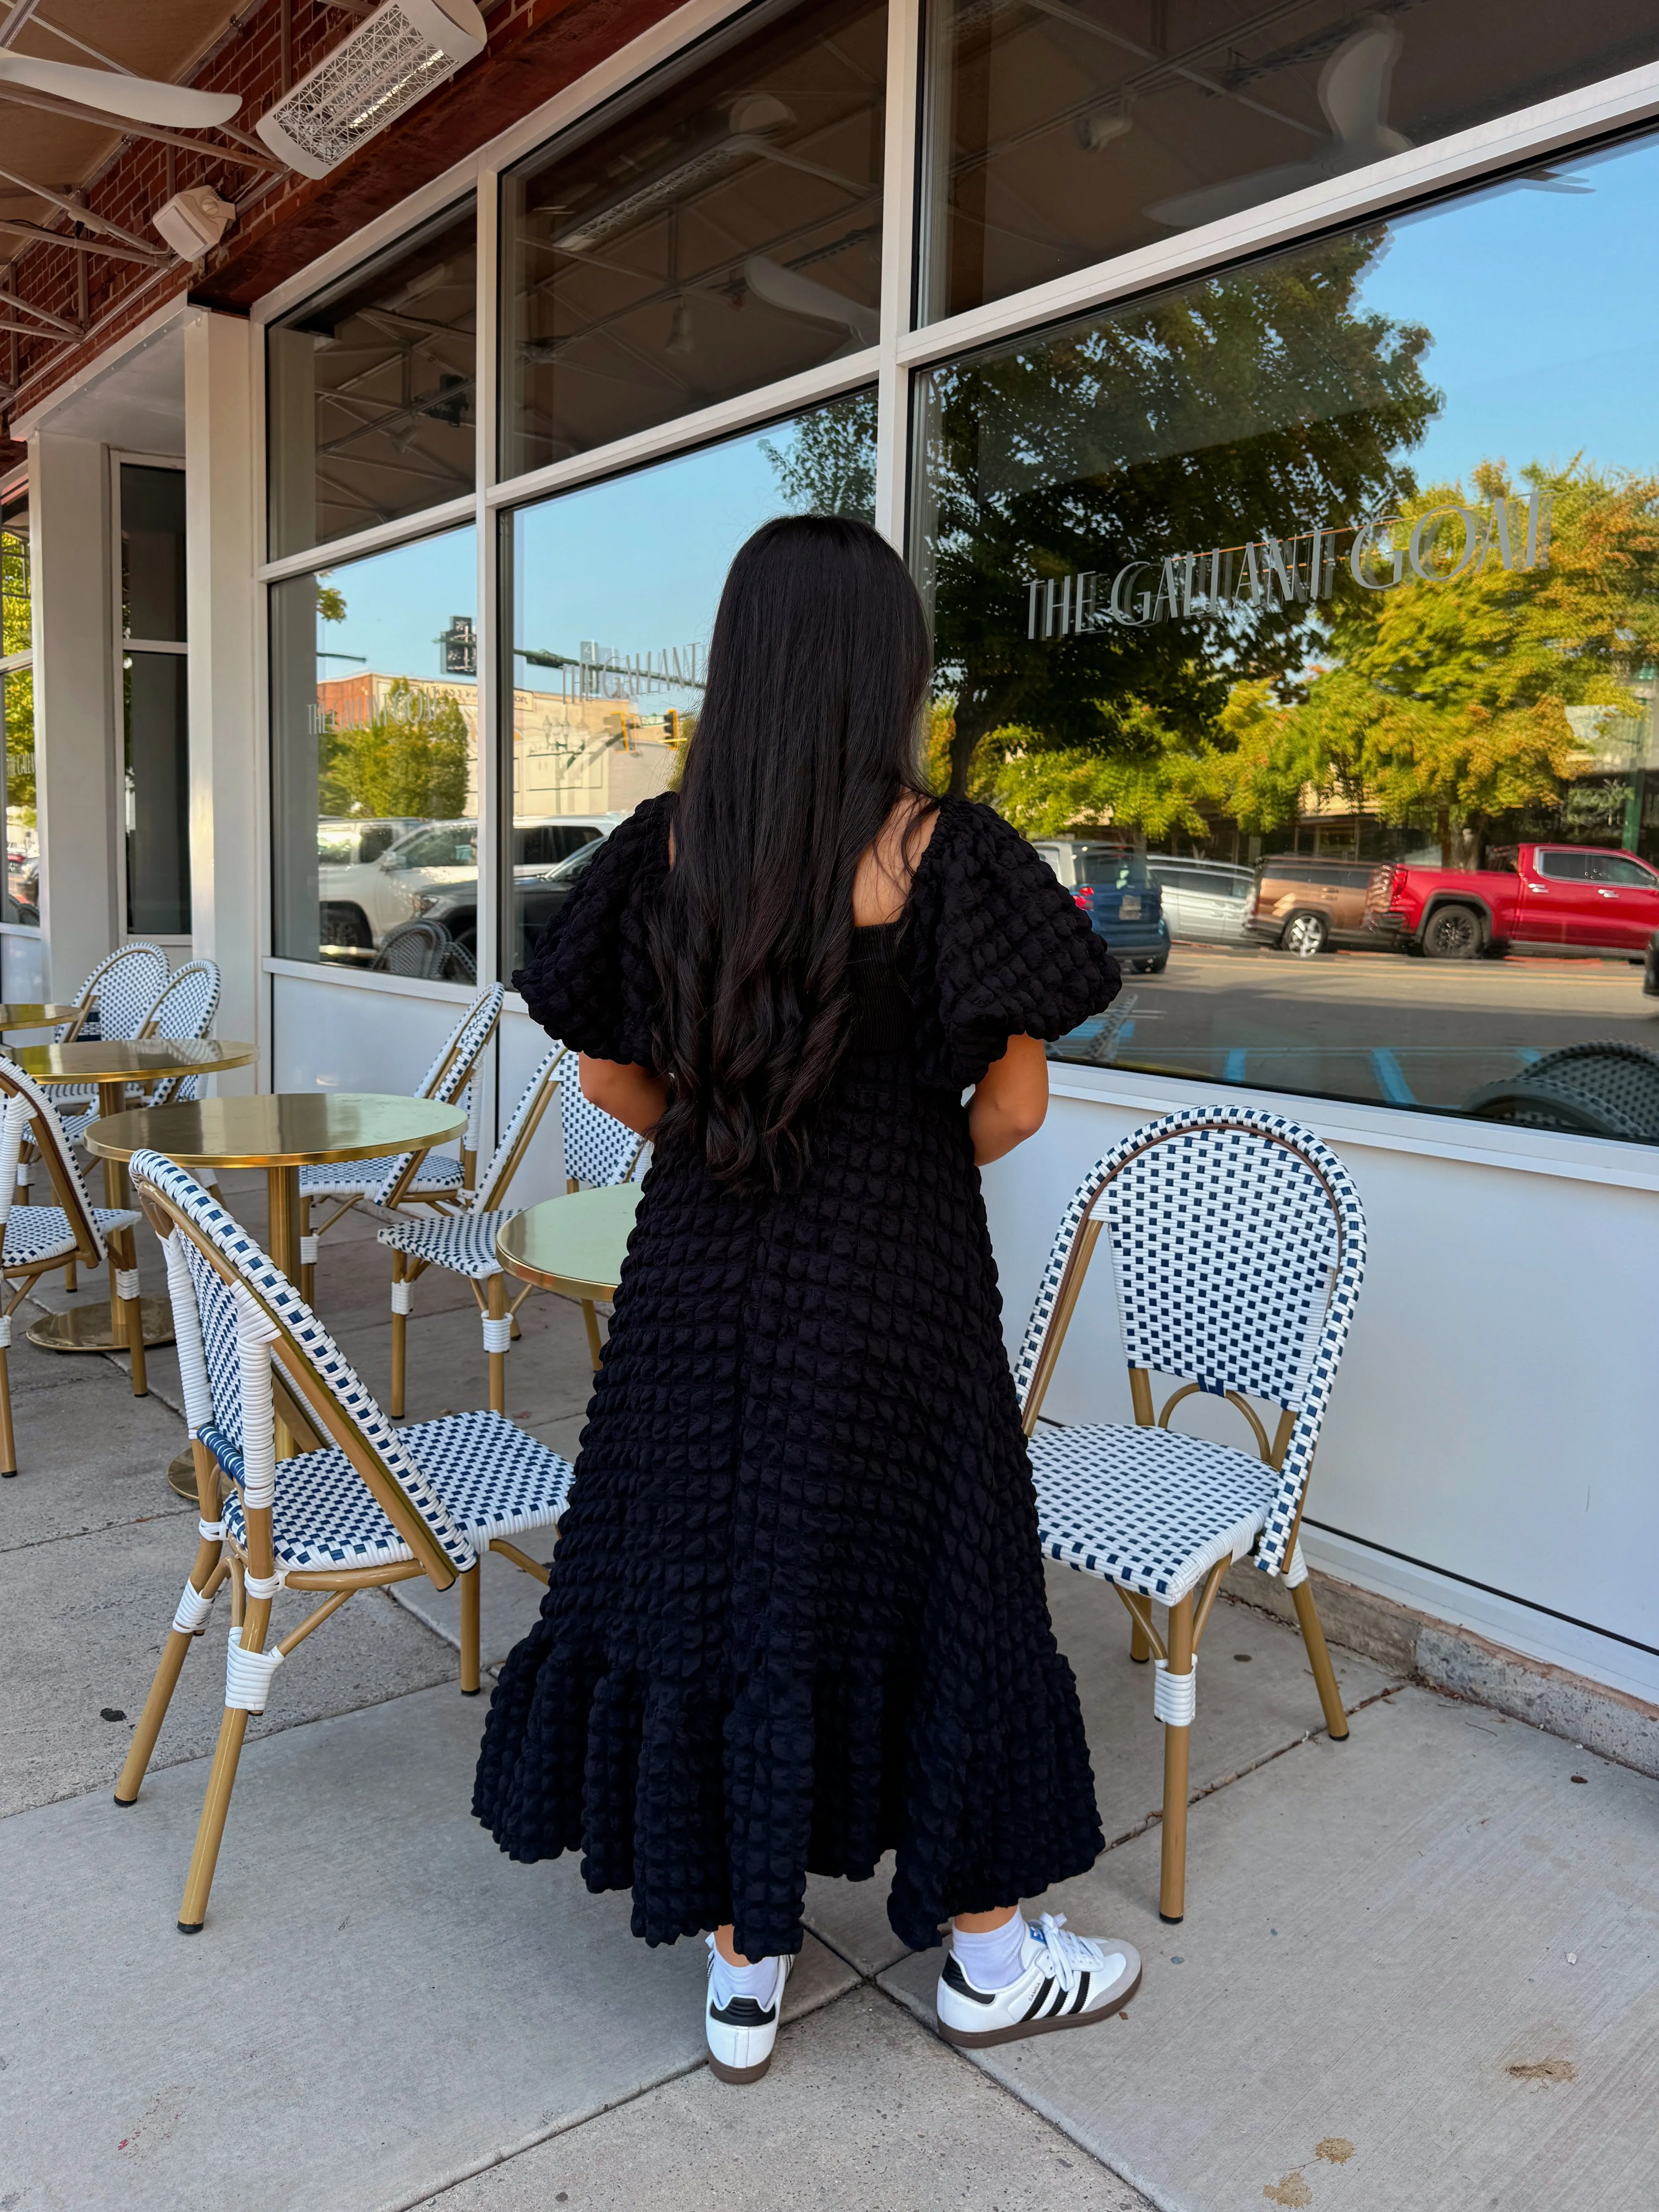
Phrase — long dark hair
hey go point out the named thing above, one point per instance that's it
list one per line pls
(807, 741)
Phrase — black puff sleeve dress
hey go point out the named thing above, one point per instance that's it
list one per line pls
(796, 1615)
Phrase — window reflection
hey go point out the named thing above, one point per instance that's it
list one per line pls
(614, 589)
(1330, 588)
(371, 392)
(374, 762)
(155, 695)
(717, 232)
(1062, 131)
(22, 900)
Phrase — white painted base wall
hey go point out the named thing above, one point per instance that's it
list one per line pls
(1490, 1453)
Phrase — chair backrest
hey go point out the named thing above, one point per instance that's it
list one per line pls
(26, 1105)
(459, 1037)
(505, 1160)
(1607, 1088)
(466, 1042)
(118, 994)
(423, 948)
(1238, 1248)
(228, 1301)
(188, 1002)
(598, 1148)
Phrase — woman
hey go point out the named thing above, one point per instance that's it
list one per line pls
(797, 1616)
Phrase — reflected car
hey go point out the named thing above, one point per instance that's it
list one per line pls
(1113, 887)
(1650, 967)
(541, 852)
(542, 892)
(1305, 906)
(426, 869)
(1206, 899)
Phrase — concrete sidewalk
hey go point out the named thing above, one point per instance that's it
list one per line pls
(1417, 1970)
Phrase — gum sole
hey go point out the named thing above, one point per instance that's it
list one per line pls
(1121, 1996)
(739, 2076)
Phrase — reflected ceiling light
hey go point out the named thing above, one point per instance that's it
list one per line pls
(752, 115)
(760, 111)
(1354, 92)
(136, 99)
(1098, 130)
(786, 289)
(394, 57)
(679, 329)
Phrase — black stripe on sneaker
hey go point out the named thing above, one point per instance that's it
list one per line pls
(1037, 2004)
(744, 2012)
(1058, 2004)
(1081, 1998)
(956, 1980)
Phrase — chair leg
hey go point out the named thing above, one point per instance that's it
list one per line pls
(203, 1578)
(132, 1315)
(1140, 1648)
(592, 1321)
(1324, 1674)
(471, 1629)
(221, 1780)
(400, 1335)
(496, 1311)
(72, 1280)
(8, 1441)
(1178, 1748)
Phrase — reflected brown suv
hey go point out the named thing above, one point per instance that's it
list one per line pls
(1303, 906)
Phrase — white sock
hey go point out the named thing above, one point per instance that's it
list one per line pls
(727, 1981)
(991, 1962)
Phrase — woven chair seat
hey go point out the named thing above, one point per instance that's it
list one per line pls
(1148, 1508)
(438, 1172)
(464, 1242)
(494, 1479)
(43, 1232)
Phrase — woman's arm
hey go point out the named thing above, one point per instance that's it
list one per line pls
(1009, 1102)
(632, 1095)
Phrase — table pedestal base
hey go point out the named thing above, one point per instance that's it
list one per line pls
(86, 1328)
(182, 1477)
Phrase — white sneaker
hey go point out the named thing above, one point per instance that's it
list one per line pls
(1066, 1981)
(741, 2034)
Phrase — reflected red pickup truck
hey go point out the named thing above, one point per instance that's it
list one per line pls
(1588, 898)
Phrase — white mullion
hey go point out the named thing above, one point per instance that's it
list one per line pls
(403, 530)
(898, 203)
(495, 786)
(120, 921)
(1388, 186)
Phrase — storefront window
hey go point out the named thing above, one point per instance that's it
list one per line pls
(717, 230)
(370, 392)
(22, 900)
(1060, 134)
(154, 702)
(1307, 619)
(374, 753)
(614, 589)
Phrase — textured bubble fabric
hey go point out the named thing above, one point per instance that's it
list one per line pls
(796, 1617)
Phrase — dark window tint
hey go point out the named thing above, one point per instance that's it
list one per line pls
(1115, 872)
(718, 230)
(371, 388)
(1062, 134)
(1565, 867)
(152, 553)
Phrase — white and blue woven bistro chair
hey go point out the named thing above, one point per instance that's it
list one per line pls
(41, 1238)
(184, 1012)
(464, 1244)
(1237, 1243)
(361, 1504)
(111, 1004)
(437, 1180)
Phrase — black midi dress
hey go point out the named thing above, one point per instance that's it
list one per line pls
(796, 1617)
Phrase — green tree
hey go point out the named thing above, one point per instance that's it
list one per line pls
(1266, 399)
(828, 466)
(410, 758)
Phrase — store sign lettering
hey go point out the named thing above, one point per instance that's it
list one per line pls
(1282, 572)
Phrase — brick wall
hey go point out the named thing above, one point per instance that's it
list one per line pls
(536, 48)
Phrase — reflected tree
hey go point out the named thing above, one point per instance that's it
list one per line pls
(411, 757)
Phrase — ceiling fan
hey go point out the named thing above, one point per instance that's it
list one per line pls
(129, 99)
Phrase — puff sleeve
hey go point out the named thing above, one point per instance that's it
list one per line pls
(590, 982)
(999, 948)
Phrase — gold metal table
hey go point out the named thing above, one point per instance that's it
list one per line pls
(281, 1134)
(108, 1068)
(32, 1014)
(574, 1246)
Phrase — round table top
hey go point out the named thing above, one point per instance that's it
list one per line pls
(118, 1059)
(32, 1014)
(573, 1244)
(291, 1129)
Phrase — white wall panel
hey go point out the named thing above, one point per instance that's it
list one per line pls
(344, 1036)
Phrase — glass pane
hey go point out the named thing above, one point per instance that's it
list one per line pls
(22, 900)
(1061, 133)
(156, 788)
(15, 600)
(152, 553)
(370, 392)
(374, 755)
(599, 714)
(719, 230)
(1343, 569)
